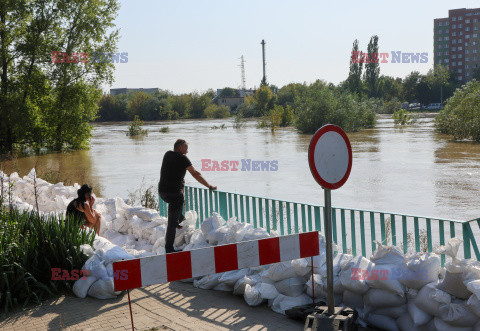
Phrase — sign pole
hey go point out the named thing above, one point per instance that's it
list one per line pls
(328, 235)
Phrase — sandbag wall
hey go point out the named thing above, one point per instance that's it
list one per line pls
(390, 290)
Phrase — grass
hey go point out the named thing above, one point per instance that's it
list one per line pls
(30, 246)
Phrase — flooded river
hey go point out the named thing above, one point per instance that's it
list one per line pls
(410, 170)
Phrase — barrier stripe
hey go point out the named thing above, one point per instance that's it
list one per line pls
(158, 269)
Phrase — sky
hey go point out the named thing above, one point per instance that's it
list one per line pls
(185, 46)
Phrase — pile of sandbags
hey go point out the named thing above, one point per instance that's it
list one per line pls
(390, 291)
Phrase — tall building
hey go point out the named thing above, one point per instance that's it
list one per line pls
(456, 40)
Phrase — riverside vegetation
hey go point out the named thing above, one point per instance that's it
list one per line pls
(31, 245)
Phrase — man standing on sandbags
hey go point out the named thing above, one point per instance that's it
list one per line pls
(171, 187)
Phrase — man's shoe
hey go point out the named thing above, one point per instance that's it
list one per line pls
(182, 218)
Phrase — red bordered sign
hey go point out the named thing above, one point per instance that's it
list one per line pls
(330, 157)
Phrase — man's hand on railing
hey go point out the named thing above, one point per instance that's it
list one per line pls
(211, 187)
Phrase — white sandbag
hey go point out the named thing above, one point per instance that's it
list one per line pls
(376, 298)
(268, 291)
(453, 285)
(301, 267)
(291, 287)
(82, 285)
(255, 234)
(424, 269)
(385, 276)
(211, 224)
(242, 230)
(320, 291)
(190, 218)
(120, 223)
(388, 255)
(103, 289)
(239, 288)
(222, 235)
(418, 316)
(382, 322)
(207, 282)
(339, 262)
(252, 295)
(393, 312)
(405, 323)
(281, 271)
(143, 213)
(223, 287)
(282, 302)
(349, 270)
(231, 277)
(98, 270)
(458, 314)
(474, 304)
(430, 298)
(109, 252)
(352, 300)
(473, 286)
(440, 325)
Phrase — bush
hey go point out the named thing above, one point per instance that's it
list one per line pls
(135, 128)
(30, 246)
(320, 104)
(403, 117)
(461, 115)
(215, 111)
(278, 116)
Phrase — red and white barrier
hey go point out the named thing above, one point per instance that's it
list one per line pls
(157, 269)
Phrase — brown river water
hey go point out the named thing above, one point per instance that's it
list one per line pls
(408, 170)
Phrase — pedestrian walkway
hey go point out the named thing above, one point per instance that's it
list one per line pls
(171, 306)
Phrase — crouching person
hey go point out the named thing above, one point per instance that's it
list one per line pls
(82, 208)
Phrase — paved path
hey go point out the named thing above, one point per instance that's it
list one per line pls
(171, 306)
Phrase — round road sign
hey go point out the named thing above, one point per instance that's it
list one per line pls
(330, 156)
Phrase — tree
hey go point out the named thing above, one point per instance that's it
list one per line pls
(264, 100)
(136, 103)
(354, 80)
(321, 104)
(181, 104)
(372, 67)
(215, 111)
(460, 117)
(286, 95)
(410, 86)
(389, 88)
(200, 103)
(227, 92)
(45, 104)
(436, 79)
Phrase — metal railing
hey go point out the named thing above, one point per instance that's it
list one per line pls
(354, 230)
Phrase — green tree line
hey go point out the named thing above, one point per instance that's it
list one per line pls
(160, 105)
